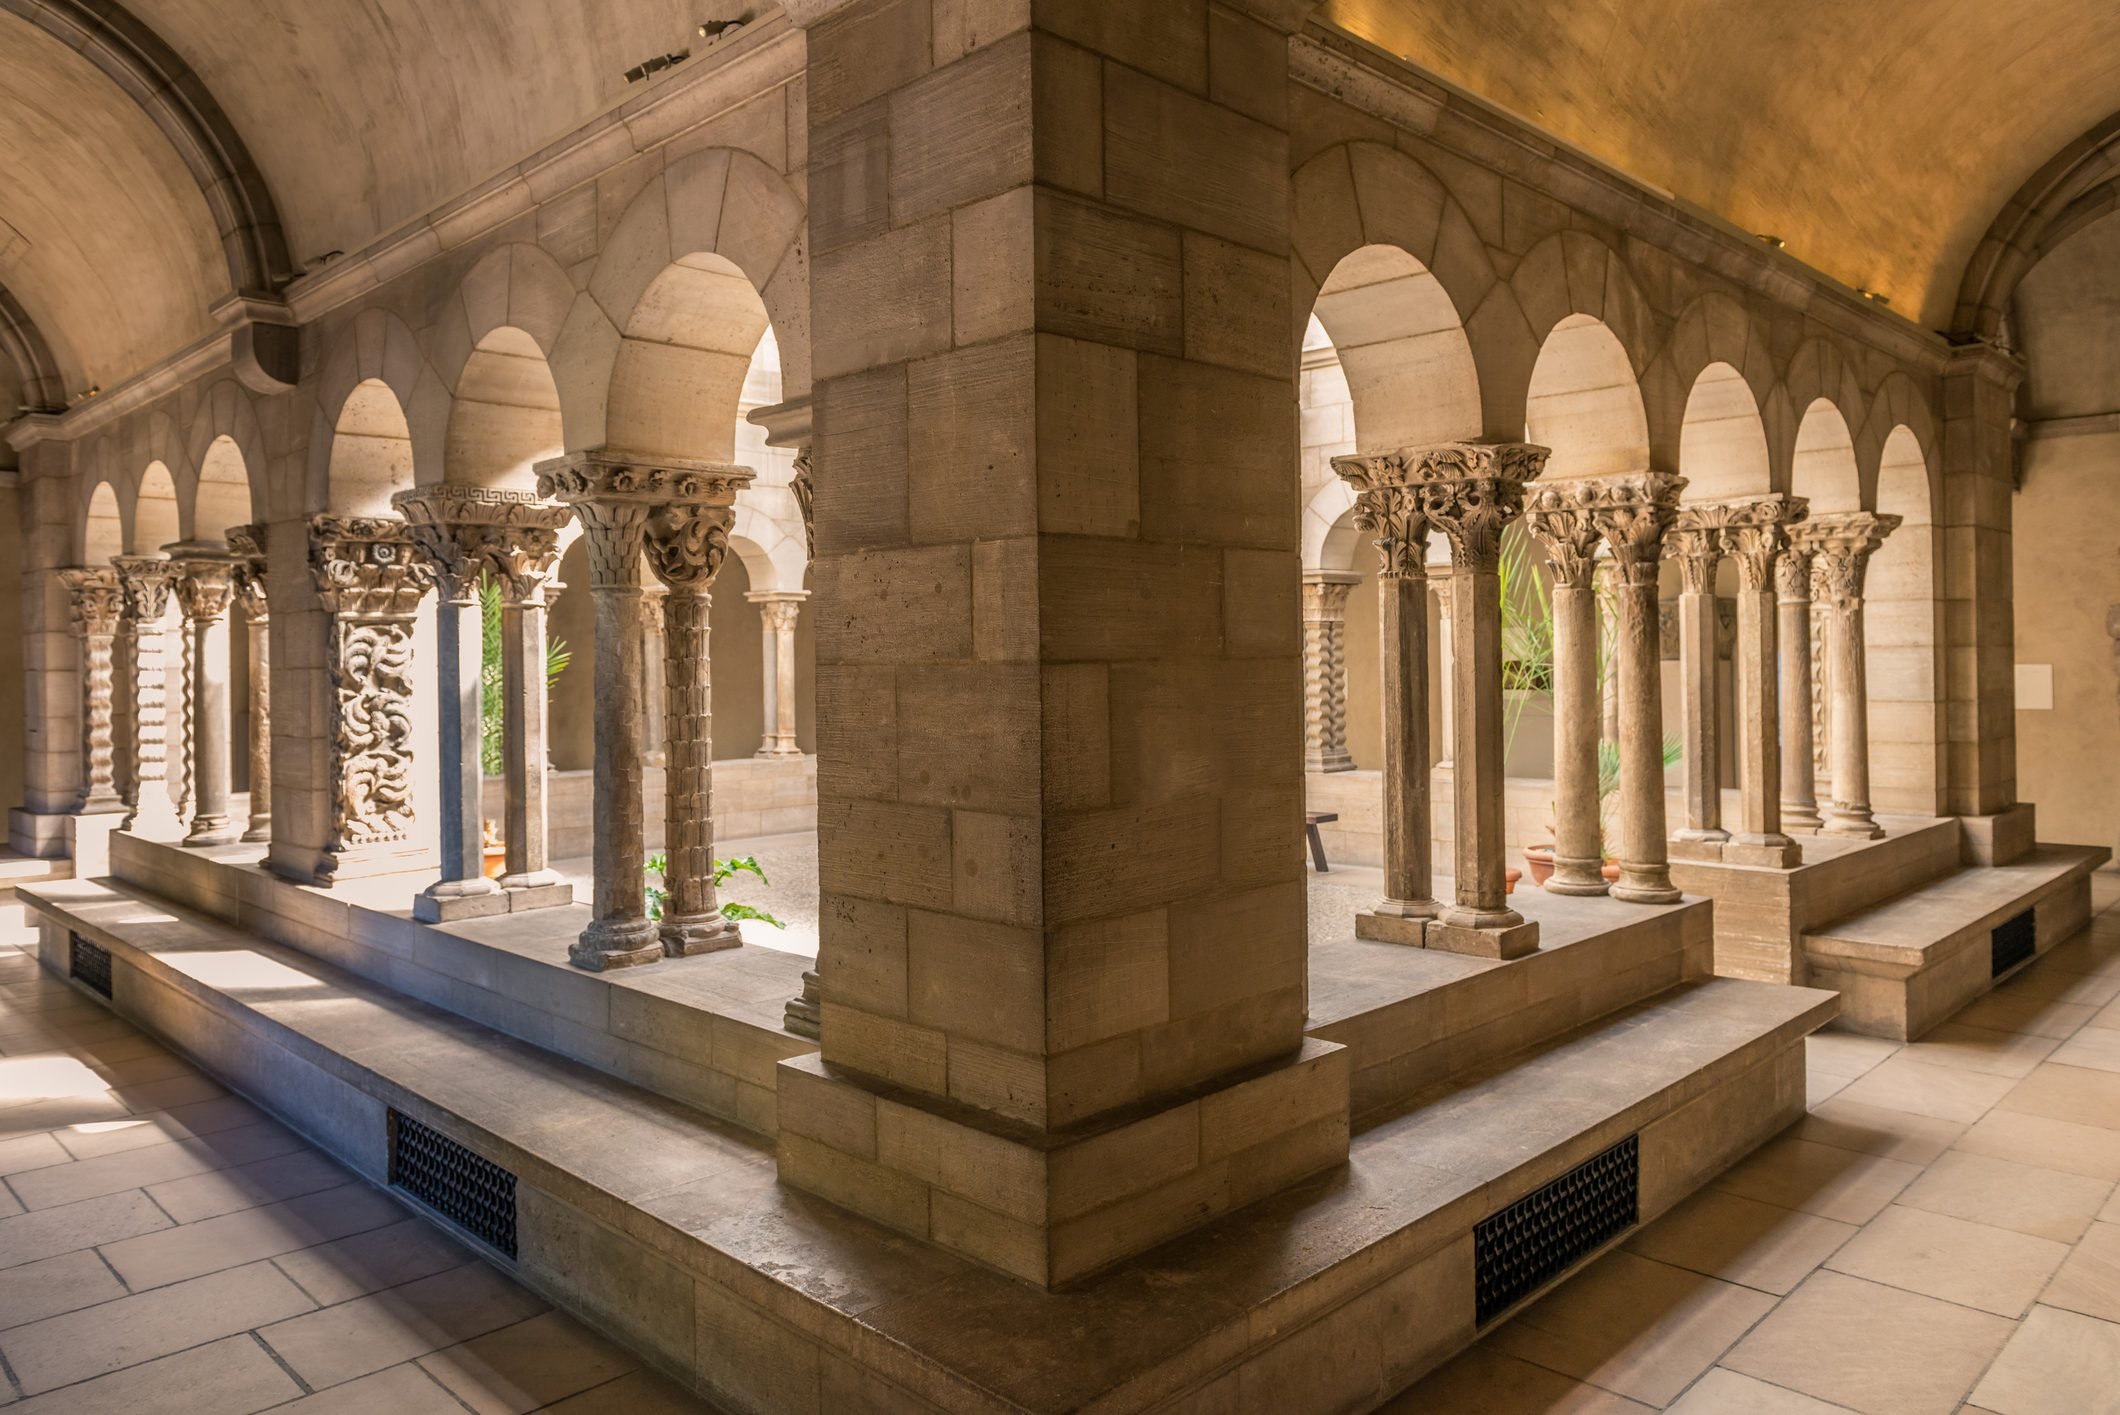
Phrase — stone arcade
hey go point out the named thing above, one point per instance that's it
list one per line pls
(1017, 458)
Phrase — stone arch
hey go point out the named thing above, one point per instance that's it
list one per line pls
(158, 516)
(1714, 329)
(226, 413)
(1898, 407)
(375, 387)
(1821, 370)
(1563, 279)
(2075, 184)
(491, 347)
(1822, 460)
(43, 385)
(713, 219)
(1903, 633)
(1722, 440)
(102, 525)
(1584, 401)
(222, 501)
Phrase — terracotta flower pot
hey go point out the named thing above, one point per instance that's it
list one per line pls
(1610, 869)
(1510, 875)
(1539, 858)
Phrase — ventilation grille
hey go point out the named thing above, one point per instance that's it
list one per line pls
(468, 1189)
(89, 964)
(2013, 941)
(1521, 1248)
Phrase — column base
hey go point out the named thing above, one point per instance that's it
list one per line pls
(446, 901)
(1850, 825)
(708, 933)
(1645, 884)
(804, 1015)
(260, 831)
(616, 943)
(41, 835)
(1581, 878)
(1801, 816)
(211, 830)
(1776, 852)
(1494, 938)
(1706, 845)
(1397, 921)
(789, 750)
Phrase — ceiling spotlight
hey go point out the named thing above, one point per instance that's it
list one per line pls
(656, 65)
(1874, 298)
(1775, 241)
(722, 29)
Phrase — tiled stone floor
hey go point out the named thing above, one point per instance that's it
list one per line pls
(1941, 1233)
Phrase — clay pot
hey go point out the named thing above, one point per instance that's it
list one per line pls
(1510, 875)
(1610, 869)
(1540, 860)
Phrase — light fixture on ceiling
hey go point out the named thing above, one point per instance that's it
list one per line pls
(656, 65)
(1874, 297)
(1773, 241)
(722, 29)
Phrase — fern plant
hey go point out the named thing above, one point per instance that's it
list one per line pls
(493, 699)
(658, 869)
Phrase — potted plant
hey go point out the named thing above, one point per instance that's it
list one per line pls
(493, 704)
(658, 865)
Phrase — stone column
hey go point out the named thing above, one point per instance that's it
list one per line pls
(248, 543)
(1470, 491)
(655, 687)
(1634, 512)
(1695, 542)
(147, 581)
(1977, 579)
(522, 563)
(1844, 542)
(688, 538)
(371, 581)
(1606, 584)
(1446, 663)
(1792, 585)
(1756, 540)
(205, 591)
(1325, 669)
(777, 610)
(96, 602)
(1563, 518)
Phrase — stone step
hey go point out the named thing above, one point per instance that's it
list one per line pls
(18, 869)
(670, 1230)
(1905, 965)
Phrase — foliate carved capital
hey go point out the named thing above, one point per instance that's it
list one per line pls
(1325, 595)
(1750, 530)
(779, 609)
(1392, 514)
(1633, 512)
(687, 543)
(1469, 490)
(95, 599)
(468, 531)
(805, 491)
(1562, 517)
(616, 493)
(146, 582)
(247, 544)
(1792, 571)
(366, 567)
(206, 588)
(1842, 543)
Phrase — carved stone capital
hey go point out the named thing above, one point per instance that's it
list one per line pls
(146, 581)
(1393, 515)
(616, 493)
(206, 579)
(247, 544)
(805, 492)
(95, 598)
(687, 543)
(1843, 542)
(1752, 531)
(468, 531)
(1562, 517)
(366, 567)
(779, 609)
(1633, 512)
(1792, 571)
(1468, 490)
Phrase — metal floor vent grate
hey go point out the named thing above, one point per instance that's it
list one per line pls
(2013, 941)
(466, 1188)
(1519, 1249)
(89, 964)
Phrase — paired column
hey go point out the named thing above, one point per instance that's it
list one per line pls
(205, 591)
(1562, 517)
(1799, 771)
(248, 544)
(371, 580)
(147, 581)
(777, 611)
(1844, 543)
(1446, 662)
(1634, 512)
(95, 601)
(522, 564)
(1325, 669)
(1695, 542)
(615, 497)
(1756, 541)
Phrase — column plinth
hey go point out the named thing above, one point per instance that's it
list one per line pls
(148, 582)
(777, 612)
(1755, 538)
(96, 602)
(1695, 542)
(1792, 586)
(205, 591)
(248, 543)
(1634, 512)
(1844, 542)
(1325, 669)
(1562, 517)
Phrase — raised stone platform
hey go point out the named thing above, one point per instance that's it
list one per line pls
(671, 1230)
(1907, 964)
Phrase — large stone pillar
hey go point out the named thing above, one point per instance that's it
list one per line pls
(1563, 518)
(1844, 542)
(1695, 542)
(1058, 631)
(147, 581)
(248, 544)
(1325, 668)
(1634, 512)
(370, 580)
(96, 602)
(1792, 586)
(1755, 539)
(206, 574)
(688, 538)
(777, 611)
(1390, 510)
(1978, 582)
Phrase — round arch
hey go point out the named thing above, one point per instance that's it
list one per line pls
(378, 394)
(225, 414)
(223, 498)
(1822, 460)
(157, 519)
(1903, 638)
(1722, 441)
(1585, 402)
(101, 530)
(371, 451)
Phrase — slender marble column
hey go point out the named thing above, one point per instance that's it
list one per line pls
(1562, 516)
(1695, 542)
(687, 542)
(523, 566)
(1755, 540)
(248, 542)
(1607, 587)
(777, 611)
(1325, 670)
(1792, 584)
(1845, 541)
(96, 603)
(147, 581)
(1634, 512)
(1446, 663)
(206, 589)
(655, 687)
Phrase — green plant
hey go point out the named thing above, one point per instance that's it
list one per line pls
(492, 697)
(1527, 631)
(1608, 777)
(724, 870)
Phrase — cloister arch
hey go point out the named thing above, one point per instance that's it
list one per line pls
(1585, 403)
(223, 497)
(101, 531)
(157, 519)
(506, 414)
(371, 451)
(382, 415)
(1822, 460)
(1722, 444)
(1903, 660)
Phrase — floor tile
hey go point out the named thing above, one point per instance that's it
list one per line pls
(2093, 1048)
(531, 1364)
(2089, 1280)
(2050, 1144)
(1641, 1329)
(47, 1232)
(2068, 1093)
(1972, 1264)
(158, 1127)
(2058, 1363)
(248, 1235)
(369, 1262)
(1725, 1392)
(2047, 1203)
(398, 1390)
(2012, 1012)
(1822, 1086)
(1875, 1130)
(178, 1090)
(1845, 1053)
(31, 1152)
(233, 1376)
(2057, 985)
(1945, 1092)
(247, 1186)
(107, 1174)
(1741, 1240)
(61, 1350)
(396, 1325)
(1870, 1347)
(1980, 1049)
(1819, 1179)
(1482, 1381)
(46, 1288)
